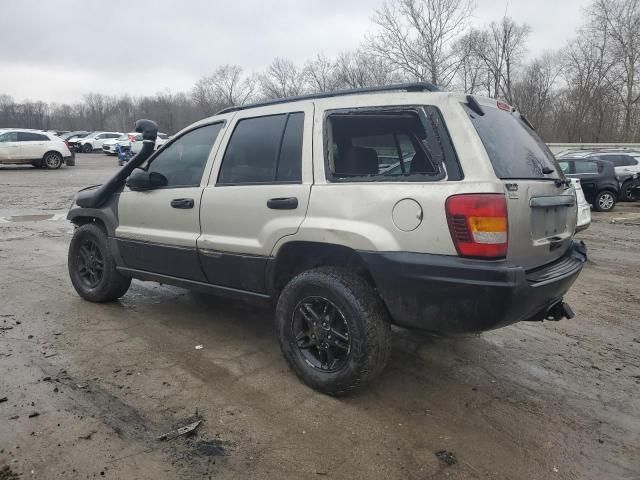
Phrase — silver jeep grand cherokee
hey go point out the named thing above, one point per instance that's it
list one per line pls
(348, 211)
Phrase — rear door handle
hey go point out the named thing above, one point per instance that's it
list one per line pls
(287, 203)
(184, 203)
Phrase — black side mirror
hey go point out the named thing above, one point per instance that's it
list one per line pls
(141, 180)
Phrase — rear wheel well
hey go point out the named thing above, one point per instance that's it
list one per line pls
(52, 151)
(296, 257)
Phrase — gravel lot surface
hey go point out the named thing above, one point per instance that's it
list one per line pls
(89, 388)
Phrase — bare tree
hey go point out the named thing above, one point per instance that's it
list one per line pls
(320, 74)
(620, 21)
(360, 69)
(417, 37)
(534, 91)
(282, 79)
(472, 73)
(501, 47)
(224, 88)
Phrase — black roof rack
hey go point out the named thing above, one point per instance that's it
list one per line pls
(408, 87)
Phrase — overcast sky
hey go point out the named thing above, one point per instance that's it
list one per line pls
(60, 50)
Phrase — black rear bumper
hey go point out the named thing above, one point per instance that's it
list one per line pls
(447, 294)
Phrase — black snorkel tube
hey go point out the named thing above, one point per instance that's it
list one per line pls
(96, 198)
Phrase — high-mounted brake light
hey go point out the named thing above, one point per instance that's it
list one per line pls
(478, 224)
(504, 106)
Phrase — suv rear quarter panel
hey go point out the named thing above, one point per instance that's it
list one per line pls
(359, 215)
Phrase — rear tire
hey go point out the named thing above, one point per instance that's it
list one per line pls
(87, 148)
(92, 268)
(604, 201)
(357, 344)
(52, 160)
(626, 192)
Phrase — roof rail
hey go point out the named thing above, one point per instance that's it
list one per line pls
(408, 87)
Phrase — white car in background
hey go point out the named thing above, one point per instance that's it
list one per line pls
(94, 141)
(109, 146)
(136, 144)
(584, 209)
(35, 147)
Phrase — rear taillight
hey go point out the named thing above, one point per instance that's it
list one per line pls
(478, 224)
(67, 144)
(132, 138)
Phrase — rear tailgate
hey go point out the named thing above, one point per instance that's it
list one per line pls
(541, 203)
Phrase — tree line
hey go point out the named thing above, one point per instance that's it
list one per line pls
(586, 91)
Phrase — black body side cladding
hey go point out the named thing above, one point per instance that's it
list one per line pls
(244, 272)
(194, 285)
(180, 262)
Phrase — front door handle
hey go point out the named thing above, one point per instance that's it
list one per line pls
(184, 203)
(287, 203)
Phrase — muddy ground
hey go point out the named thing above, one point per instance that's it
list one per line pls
(89, 387)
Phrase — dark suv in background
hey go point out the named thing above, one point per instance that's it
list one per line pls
(598, 179)
(626, 164)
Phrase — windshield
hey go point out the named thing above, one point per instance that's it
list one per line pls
(515, 150)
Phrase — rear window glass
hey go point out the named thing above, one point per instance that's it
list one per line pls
(514, 149)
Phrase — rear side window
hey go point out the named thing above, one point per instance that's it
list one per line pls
(585, 166)
(387, 145)
(9, 137)
(515, 150)
(182, 163)
(32, 137)
(264, 150)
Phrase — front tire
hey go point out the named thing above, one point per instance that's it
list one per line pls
(87, 148)
(52, 160)
(334, 330)
(604, 201)
(92, 268)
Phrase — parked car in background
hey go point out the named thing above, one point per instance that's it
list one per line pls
(38, 148)
(626, 164)
(73, 140)
(75, 134)
(136, 144)
(109, 146)
(94, 141)
(584, 209)
(597, 178)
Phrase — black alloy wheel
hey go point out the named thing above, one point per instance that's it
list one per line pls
(90, 264)
(321, 333)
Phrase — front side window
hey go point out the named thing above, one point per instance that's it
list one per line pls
(182, 163)
(386, 145)
(264, 150)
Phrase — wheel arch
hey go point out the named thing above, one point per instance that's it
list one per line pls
(101, 217)
(52, 150)
(296, 257)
